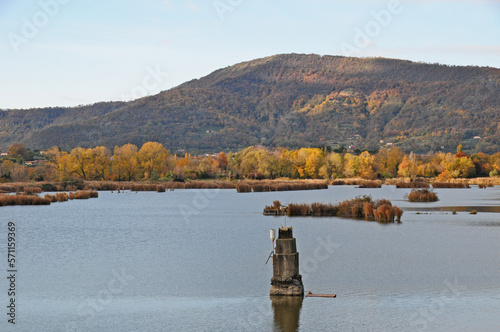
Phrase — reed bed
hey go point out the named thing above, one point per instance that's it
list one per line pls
(51, 198)
(102, 185)
(359, 207)
(62, 197)
(160, 189)
(244, 188)
(370, 184)
(23, 200)
(11, 188)
(454, 185)
(32, 190)
(59, 197)
(83, 194)
(422, 195)
(276, 185)
(417, 184)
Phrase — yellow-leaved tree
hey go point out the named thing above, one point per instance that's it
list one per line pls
(152, 158)
(126, 162)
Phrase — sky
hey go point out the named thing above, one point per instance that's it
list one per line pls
(78, 52)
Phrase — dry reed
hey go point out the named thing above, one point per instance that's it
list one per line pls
(23, 200)
(422, 195)
(83, 194)
(32, 190)
(413, 185)
(454, 185)
(359, 207)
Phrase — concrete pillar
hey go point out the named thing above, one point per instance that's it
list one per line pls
(286, 280)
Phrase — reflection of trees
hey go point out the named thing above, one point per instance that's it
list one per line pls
(286, 312)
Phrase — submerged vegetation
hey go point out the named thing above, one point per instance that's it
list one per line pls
(362, 207)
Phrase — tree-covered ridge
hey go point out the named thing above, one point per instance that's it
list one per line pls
(292, 101)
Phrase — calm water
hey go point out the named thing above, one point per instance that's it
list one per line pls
(193, 260)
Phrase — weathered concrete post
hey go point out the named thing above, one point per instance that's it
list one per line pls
(286, 280)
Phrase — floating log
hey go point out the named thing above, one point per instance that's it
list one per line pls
(310, 294)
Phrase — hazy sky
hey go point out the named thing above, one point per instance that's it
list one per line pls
(72, 52)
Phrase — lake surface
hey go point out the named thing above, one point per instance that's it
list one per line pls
(193, 260)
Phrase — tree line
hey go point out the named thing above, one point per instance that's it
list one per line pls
(153, 162)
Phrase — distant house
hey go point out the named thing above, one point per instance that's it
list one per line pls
(477, 137)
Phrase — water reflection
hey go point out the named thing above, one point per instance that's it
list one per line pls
(286, 312)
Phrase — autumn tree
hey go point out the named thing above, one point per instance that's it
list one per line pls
(80, 162)
(461, 167)
(18, 150)
(152, 157)
(408, 167)
(100, 163)
(222, 160)
(351, 165)
(387, 161)
(314, 161)
(11, 171)
(366, 160)
(60, 162)
(333, 167)
(126, 162)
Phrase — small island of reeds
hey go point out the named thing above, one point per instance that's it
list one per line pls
(30, 197)
(422, 195)
(361, 207)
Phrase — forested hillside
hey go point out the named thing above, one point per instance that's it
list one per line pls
(291, 101)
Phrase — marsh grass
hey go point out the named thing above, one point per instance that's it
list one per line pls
(417, 184)
(422, 195)
(23, 200)
(83, 194)
(370, 184)
(454, 185)
(32, 190)
(362, 207)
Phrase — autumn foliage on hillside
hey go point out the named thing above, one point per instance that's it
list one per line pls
(288, 100)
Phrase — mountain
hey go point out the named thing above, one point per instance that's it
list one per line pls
(288, 100)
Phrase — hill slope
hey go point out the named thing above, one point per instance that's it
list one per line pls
(288, 100)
